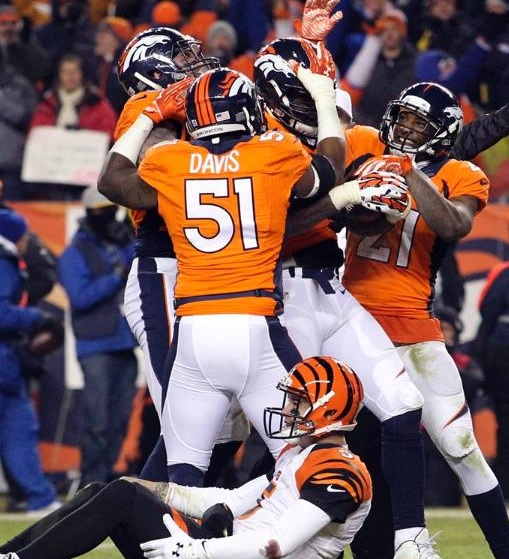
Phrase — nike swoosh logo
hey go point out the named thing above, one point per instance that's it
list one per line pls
(332, 489)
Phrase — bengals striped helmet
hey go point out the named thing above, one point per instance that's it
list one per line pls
(220, 102)
(322, 395)
(277, 84)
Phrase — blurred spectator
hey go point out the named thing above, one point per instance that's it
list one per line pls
(450, 285)
(93, 269)
(446, 28)
(494, 25)
(18, 422)
(492, 345)
(252, 22)
(27, 57)
(73, 104)
(17, 103)
(40, 263)
(167, 14)
(111, 36)
(69, 32)
(222, 43)
(384, 66)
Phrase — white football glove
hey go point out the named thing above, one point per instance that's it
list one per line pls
(317, 20)
(385, 192)
(178, 546)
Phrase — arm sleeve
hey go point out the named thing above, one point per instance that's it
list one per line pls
(482, 133)
(194, 501)
(361, 69)
(296, 526)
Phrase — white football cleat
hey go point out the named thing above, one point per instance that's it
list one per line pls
(10, 555)
(421, 547)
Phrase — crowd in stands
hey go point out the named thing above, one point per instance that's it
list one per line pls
(380, 47)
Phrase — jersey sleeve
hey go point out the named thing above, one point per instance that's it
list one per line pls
(153, 168)
(289, 157)
(132, 109)
(361, 143)
(335, 480)
(468, 180)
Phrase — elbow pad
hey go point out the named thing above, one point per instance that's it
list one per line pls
(325, 176)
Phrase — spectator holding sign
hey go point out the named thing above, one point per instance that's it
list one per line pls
(73, 104)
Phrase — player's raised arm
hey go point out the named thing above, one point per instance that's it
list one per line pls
(119, 180)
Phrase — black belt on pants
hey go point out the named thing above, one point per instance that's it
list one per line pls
(233, 295)
(322, 276)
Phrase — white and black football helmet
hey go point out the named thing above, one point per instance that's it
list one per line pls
(221, 102)
(440, 110)
(283, 93)
(160, 56)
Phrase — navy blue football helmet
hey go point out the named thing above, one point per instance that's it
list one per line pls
(441, 115)
(223, 101)
(160, 56)
(284, 94)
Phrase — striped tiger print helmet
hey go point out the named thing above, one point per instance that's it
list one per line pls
(220, 102)
(332, 391)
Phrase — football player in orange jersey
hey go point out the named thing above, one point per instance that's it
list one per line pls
(152, 60)
(323, 317)
(224, 198)
(312, 506)
(393, 276)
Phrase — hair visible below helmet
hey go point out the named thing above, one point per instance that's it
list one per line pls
(160, 56)
(222, 102)
(332, 391)
(286, 98)
(432, 102)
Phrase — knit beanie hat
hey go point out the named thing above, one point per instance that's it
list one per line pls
(119, 26)
(12, 225)
(166, 13)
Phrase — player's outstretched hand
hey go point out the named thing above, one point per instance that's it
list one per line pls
(318, 19)
(170, 103)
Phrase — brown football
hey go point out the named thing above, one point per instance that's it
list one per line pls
(362, 214)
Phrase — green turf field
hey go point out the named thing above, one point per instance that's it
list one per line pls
(459, 536)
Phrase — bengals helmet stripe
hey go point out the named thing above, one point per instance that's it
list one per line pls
(333, 394)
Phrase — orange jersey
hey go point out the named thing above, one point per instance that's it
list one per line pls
(131, 111)
(226, 215)
(394, 274)
(318, 233)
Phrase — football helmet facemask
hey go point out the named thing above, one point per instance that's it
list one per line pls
(222, 102)
(332, 393)
(160, 56)
(438, 111)
(286, 98)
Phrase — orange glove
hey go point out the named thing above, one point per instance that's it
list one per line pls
(399, 164)
(318, 19)
(170, 103)
(321, 61)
